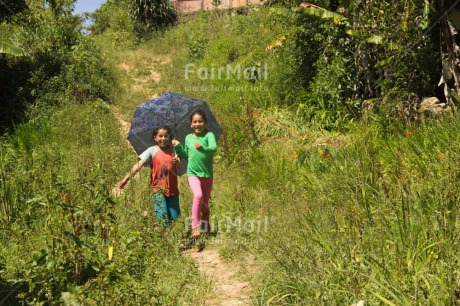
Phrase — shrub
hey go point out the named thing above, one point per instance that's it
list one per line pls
(61, 65)
(152, 15)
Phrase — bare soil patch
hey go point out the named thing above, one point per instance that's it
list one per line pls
(229, 289)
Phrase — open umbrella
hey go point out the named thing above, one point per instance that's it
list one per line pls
(170, 109)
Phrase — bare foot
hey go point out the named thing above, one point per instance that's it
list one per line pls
(195, 233)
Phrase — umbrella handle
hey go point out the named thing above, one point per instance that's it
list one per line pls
(175, 152)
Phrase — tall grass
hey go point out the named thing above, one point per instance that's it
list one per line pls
(370, 215)
(374, 220)
(59, 219)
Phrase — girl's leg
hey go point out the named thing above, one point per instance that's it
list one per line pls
(160, 208)
(195, 186)
(206, 187)
(173, 208)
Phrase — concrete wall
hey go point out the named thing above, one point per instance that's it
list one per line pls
(196, 5)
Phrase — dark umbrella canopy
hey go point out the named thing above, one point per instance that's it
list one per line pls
(170, 109)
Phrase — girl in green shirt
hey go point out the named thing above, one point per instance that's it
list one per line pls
(199, 149)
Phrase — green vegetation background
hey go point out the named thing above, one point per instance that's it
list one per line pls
(356, 203)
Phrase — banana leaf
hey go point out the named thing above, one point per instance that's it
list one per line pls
(325, 14)
(318, 12)
(10, 49)
(426, 16)
(282, 11)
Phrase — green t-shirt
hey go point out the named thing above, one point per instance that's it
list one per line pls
(199, 160)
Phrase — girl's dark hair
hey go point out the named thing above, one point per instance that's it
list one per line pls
(164, 127)
(199, 112)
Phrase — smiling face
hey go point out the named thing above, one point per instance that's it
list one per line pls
(162, 138)
(198, 124)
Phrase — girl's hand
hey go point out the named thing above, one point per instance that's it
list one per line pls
(198, 145)
(177, 162)
(175, 142)
(122, 183)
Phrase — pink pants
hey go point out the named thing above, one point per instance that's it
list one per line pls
(201, 188)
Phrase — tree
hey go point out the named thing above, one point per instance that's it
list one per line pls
(152, 14)
(61, 7)
(386, 61)
(9, 8)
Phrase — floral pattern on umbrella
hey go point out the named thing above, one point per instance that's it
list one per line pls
(169, 109)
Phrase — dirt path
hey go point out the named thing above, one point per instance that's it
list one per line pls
(124, 124)
(228, 289)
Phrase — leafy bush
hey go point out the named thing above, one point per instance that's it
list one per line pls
(66, 64)
(151, 15)
(196, 48)
(393, 68)
(61, 65)
(11, 8)
(112, 15)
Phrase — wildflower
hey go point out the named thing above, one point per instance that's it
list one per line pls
(409, 133)
(277, 43)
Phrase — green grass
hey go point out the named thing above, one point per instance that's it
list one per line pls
(331, 218)
(369, 215)
(374, 220)
(59, 219)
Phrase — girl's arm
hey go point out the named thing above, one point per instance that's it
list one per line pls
(131, 173)
(212, 145)
(179, 149)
